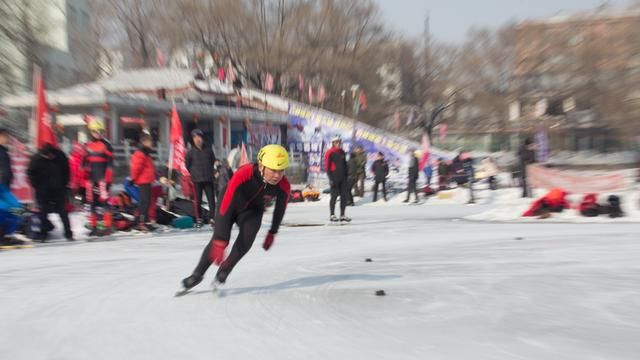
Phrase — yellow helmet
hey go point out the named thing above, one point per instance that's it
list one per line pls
(95, 124)
(274, 157)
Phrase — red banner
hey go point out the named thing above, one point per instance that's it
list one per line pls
(43, 117)
(545, 178)
(178, 150)
(20, 157)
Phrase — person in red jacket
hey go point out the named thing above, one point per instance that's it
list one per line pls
(143, 173)
(250, 189)
(98, 167)
(336, 164)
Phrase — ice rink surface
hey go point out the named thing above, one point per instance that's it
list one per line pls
(456, 289)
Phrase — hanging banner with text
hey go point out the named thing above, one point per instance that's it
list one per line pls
(574, 183)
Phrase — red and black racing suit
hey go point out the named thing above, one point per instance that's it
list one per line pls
(98, 164)
(243, 203)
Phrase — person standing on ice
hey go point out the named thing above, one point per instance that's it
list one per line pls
(48, 174)
(98, 164)
(251, 187)
(414, 173)
(469, 172)
(200, 161)
(143, 174)
(335, 161)
(380, 170)
(526, 157)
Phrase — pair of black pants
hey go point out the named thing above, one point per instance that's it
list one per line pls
(339, 188)
(144, 203)
(413, 188)
(54, 205)
(523, 181)
(207, 187)
(249, 222)
(384, 190)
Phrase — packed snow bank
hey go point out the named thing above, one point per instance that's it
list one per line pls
(509, 207)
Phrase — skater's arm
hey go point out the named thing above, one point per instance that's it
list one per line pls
(241, 176)
(281, 205)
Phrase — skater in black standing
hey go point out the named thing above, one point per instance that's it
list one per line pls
(337, 171)
(199, 162)
(380, 169)
(49, 175)
(249, 190)
(413, 177)
(526, 156)
(469, 172)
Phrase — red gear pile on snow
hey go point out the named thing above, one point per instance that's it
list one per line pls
(554, 199)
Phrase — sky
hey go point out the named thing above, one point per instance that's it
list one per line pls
(451, 19)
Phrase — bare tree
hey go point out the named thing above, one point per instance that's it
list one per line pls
(22, 25)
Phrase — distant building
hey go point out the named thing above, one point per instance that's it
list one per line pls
(61, 43)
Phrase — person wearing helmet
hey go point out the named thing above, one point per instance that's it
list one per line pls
(250, 189)
(98, 166)
(337, 172)
(414, 173)
(200, 164)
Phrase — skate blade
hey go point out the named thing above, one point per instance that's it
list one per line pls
(182, 293)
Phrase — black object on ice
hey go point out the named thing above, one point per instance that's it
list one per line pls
(380, 293)
(368, 260)
(519, 238)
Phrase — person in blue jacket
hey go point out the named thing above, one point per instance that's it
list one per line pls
(10, 209)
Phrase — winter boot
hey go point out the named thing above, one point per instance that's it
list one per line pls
(142, 227)
(221, 276)
(334, 218)
(344, 218)
(191, 281)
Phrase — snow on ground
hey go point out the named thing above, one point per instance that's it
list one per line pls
(455, 290)
(509, 207)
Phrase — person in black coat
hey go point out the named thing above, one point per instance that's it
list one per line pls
(380, 169)
(338, 174)
(526, 157)
(469, 172)
(6, 175)
(48, 173)
(199, 162)
(414, 173)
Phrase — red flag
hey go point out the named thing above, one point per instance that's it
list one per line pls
(177, 144)
(268, 82)
(231, 75)
(221, 73)
(45, 133)
(321, 94)
(426, 151)
(363, 101)
(244, 158)
(159, 57)
(310, 94)
(20, 158)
